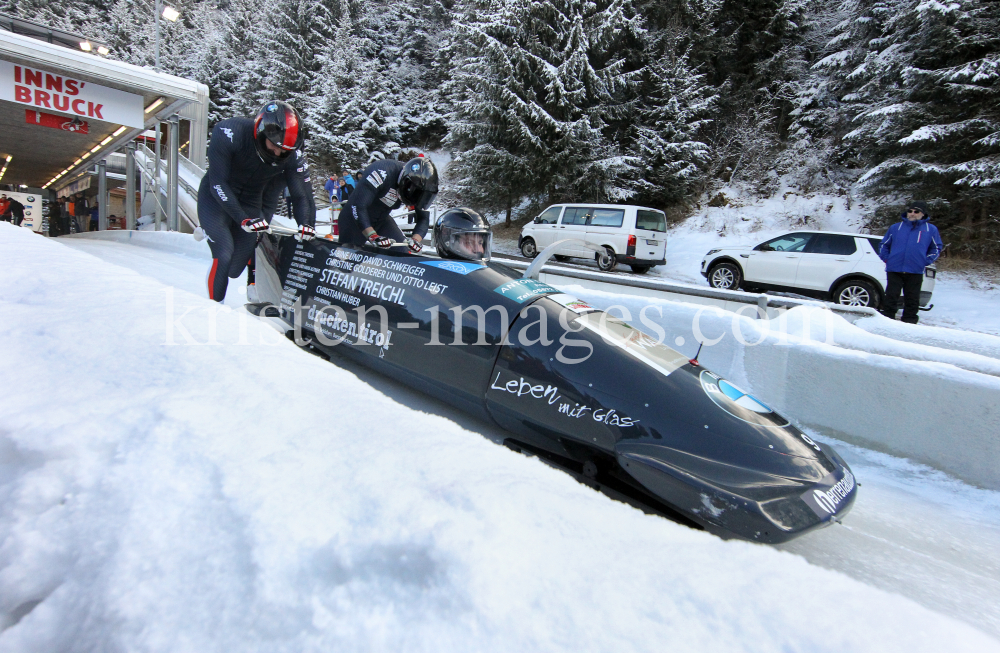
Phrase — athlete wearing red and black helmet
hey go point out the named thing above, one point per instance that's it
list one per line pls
(245, 157)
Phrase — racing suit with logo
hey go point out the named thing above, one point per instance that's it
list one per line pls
(369, 205)
(233, 190)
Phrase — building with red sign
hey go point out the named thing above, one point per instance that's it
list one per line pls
(69, 116)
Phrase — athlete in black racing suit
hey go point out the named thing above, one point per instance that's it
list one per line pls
(383, 187)
(245, 158)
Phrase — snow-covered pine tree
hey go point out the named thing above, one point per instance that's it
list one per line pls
(817, 119)
(296, 34)
(241, 85)
(185, 43)
(534, 86)
(79, 16)
(216, 73)
(928, 122)
(352, 119)
(130, 32)
(676, 107)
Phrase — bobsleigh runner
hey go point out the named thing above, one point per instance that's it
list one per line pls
(573, 385)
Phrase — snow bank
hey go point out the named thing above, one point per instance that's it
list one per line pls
(208, 497)
(167, 241)
(817, 369)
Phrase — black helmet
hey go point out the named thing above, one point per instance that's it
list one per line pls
(418, 183)
(463, 233)
(279, 123)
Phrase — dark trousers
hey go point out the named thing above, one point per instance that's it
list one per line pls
(909, 283)
(351, 233)
(231, 246)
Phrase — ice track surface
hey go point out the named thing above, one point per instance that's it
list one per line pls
(913, 532)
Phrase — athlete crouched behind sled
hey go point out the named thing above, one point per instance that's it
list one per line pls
(463, 234)
(384, 186)
(244, 158)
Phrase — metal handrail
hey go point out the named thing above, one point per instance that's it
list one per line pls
(149, 179)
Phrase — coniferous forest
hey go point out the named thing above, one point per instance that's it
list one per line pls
(657, 102)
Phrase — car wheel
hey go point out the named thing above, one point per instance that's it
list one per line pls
(856, 293)
(640, 269)
(528, 248)
(725, 276)
(606, 261)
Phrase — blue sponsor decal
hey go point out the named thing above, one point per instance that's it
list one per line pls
(738, 403)
(521, 290)
(272, 107)
(458, 267)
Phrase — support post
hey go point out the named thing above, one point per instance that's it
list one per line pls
(102, 195)
(173, 159)
(156, 177)
(156, 65)
(130, 186)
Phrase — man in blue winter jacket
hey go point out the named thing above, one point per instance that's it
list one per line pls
(907, 248)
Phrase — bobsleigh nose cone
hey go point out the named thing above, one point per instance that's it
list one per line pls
(736, 465)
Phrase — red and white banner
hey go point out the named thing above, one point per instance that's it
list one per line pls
(75, 125)
(41, 90)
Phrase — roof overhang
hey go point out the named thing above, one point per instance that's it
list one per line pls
(40, 153)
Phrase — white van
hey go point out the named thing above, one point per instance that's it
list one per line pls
(634, 235)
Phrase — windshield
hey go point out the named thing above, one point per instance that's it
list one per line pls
(641, 346)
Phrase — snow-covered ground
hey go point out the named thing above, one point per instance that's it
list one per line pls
(963, 299)
(210, 497)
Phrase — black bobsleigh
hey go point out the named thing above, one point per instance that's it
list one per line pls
(570, 383)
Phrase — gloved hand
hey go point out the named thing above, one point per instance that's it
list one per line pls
(305, 233)
(414, 246)
(380, 241)
(253, 225)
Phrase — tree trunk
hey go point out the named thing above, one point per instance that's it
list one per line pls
(509, 207)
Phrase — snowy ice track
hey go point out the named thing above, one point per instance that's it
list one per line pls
(914, 531)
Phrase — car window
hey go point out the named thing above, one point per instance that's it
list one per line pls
(607, 218)
(651, 220)
(786, 243)
(876, 243)
(549, 215)
(576, 215)
(832, 244)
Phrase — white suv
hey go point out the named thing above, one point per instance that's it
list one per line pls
(634, 235)
(841, 267)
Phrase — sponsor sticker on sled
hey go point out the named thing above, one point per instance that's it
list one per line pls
(830, 494)
(458, 267)
(521, 290)
(739, 403)
(572, 303)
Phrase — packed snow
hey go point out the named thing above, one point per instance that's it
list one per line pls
(169, 497)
